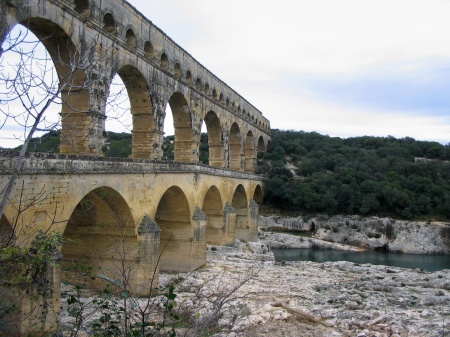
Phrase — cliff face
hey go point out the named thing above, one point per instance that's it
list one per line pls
(373, 232)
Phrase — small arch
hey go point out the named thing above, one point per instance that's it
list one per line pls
(109, 24)
(164, 61)
(220, 97)
(207, 93)
(233, 107)
(177, 70)
(198, 84)
(212, 207)
(83, 7)
(239, 109)
(227, 103)
(131, 38)
(148, 50)
(188, 77)
(214, 94)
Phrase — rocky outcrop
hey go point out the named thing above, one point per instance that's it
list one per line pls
(372, 232)
(282, 240)
(288, 223)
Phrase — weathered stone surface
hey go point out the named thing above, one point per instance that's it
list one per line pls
(311, 299)
(373, 233)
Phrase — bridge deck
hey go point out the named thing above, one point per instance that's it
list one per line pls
(50, 163)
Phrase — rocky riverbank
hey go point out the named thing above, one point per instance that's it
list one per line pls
(371, 232)
(324, 299)
(247, 294)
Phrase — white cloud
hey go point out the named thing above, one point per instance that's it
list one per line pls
(258, 47)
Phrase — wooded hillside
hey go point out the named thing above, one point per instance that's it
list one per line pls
(402, 178)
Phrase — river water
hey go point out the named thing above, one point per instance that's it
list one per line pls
(426, 262)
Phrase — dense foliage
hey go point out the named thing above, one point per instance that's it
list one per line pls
(363, 175)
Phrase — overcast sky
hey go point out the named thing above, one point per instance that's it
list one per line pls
(344, 68)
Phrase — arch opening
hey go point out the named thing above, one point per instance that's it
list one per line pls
(182, 126)
(203, 150)
(250, 153)
(177, 70)
(241, 205)
(258, 195)
(131, 38)
(164, 61)
(100, 235)
(235, 148)
(50, 66)
(215, 141)
(131, 111)
(188, 77)
(261, 146)
(173, 217)
(83, 7)
(198, 84)
(212, 207)
(148, 50)
(109, 24)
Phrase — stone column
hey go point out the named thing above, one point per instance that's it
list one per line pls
(148, 255)
(229, 219)
(253, 211)
(198, 248)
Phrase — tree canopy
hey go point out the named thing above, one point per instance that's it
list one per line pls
(402, 178)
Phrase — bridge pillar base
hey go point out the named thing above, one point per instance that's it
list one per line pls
(248, 231)
(148, 256)
(229, 217)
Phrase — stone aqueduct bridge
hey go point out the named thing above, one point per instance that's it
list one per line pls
(148, 208)
(109, 37)
(148, 205)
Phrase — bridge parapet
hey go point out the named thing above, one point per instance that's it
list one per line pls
(51, 163)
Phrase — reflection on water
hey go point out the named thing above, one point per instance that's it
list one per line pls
(426, 262)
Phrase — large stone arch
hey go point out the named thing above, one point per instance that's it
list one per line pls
(213, 208)
(100, 233)
(250, 152)
(182, 124)
(179, 238)
(215, 141)
(143, 135)
(235, 148)
(75, 110)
